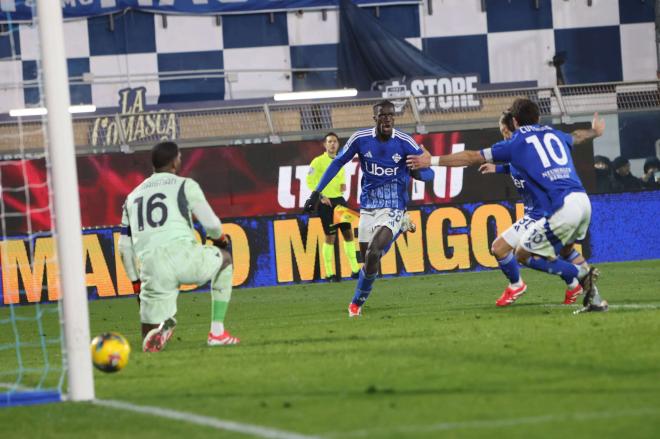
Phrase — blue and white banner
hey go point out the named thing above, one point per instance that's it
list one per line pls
(21, 10)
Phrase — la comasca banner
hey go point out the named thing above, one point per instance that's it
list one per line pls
(21, 10)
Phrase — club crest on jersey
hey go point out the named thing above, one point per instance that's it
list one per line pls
(368, 155)
(396, 157)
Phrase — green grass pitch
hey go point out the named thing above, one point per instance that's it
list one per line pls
(431, 357)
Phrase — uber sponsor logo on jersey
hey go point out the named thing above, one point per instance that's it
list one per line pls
(379, 171)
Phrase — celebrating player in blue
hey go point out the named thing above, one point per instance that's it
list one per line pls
(542, 156)
(507, 241)
(382, 151)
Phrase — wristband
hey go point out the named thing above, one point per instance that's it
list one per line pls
(435, 160)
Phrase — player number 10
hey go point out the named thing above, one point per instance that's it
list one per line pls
(548, 140)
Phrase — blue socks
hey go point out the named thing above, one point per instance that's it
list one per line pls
(510, 268)
(363, 288)
(573, 256)
(565, 270)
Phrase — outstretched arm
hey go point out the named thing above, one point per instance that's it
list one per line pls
(458, 159)
(492, 168)
(597, 129)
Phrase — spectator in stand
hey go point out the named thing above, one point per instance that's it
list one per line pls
(603, 169)
(651, 177)
(622, 179)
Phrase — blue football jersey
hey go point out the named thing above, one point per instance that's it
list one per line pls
(385, 176)
(533, 209)
(542, 157)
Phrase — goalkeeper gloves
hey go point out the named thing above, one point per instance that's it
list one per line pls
(312, 202)
(222, 242)
(137, 286)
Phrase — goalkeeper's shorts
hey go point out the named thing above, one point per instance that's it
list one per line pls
(165, 268)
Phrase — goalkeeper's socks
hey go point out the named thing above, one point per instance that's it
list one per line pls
(328, 256)
(221, 287)
(363, 288)
(349, 248)
(510, 268)
(217, 328)
(565, 270)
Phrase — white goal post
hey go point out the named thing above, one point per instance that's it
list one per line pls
(75, 314)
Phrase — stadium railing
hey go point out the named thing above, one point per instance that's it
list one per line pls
(284, 121)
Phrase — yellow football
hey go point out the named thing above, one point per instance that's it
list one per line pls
(110, 352)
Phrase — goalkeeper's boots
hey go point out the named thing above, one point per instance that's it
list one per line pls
(511, 294)
(407, 225)
(157, 338)
(224, 339)
(354, 310)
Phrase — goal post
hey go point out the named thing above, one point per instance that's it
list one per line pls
(66, 205)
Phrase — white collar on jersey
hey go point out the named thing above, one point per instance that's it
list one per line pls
(373, 132)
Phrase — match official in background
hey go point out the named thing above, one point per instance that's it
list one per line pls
(331, 196)
(160, 252)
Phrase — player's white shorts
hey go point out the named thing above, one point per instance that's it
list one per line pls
(513, 234)
(372, 219)
(167, 267)
(569, 224)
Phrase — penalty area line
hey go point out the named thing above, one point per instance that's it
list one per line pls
(207, 421)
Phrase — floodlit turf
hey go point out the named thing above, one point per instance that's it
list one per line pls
(431, 357)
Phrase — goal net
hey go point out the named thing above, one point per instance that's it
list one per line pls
(44, 328)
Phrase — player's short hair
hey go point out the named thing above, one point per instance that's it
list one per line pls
(330, 134)
(525, 112)
(384, 103)
(164, 153)
(506, 119)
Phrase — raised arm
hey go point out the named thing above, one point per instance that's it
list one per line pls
(597, 129)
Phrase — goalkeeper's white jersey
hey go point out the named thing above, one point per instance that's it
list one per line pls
(158, 211)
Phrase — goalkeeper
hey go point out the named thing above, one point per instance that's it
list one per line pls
(160, 253)
(332, 196)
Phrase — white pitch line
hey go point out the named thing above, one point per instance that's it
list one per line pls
(219, 424)
(495, 423)
(611, 306)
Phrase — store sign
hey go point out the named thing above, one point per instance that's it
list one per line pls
(431, 93)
